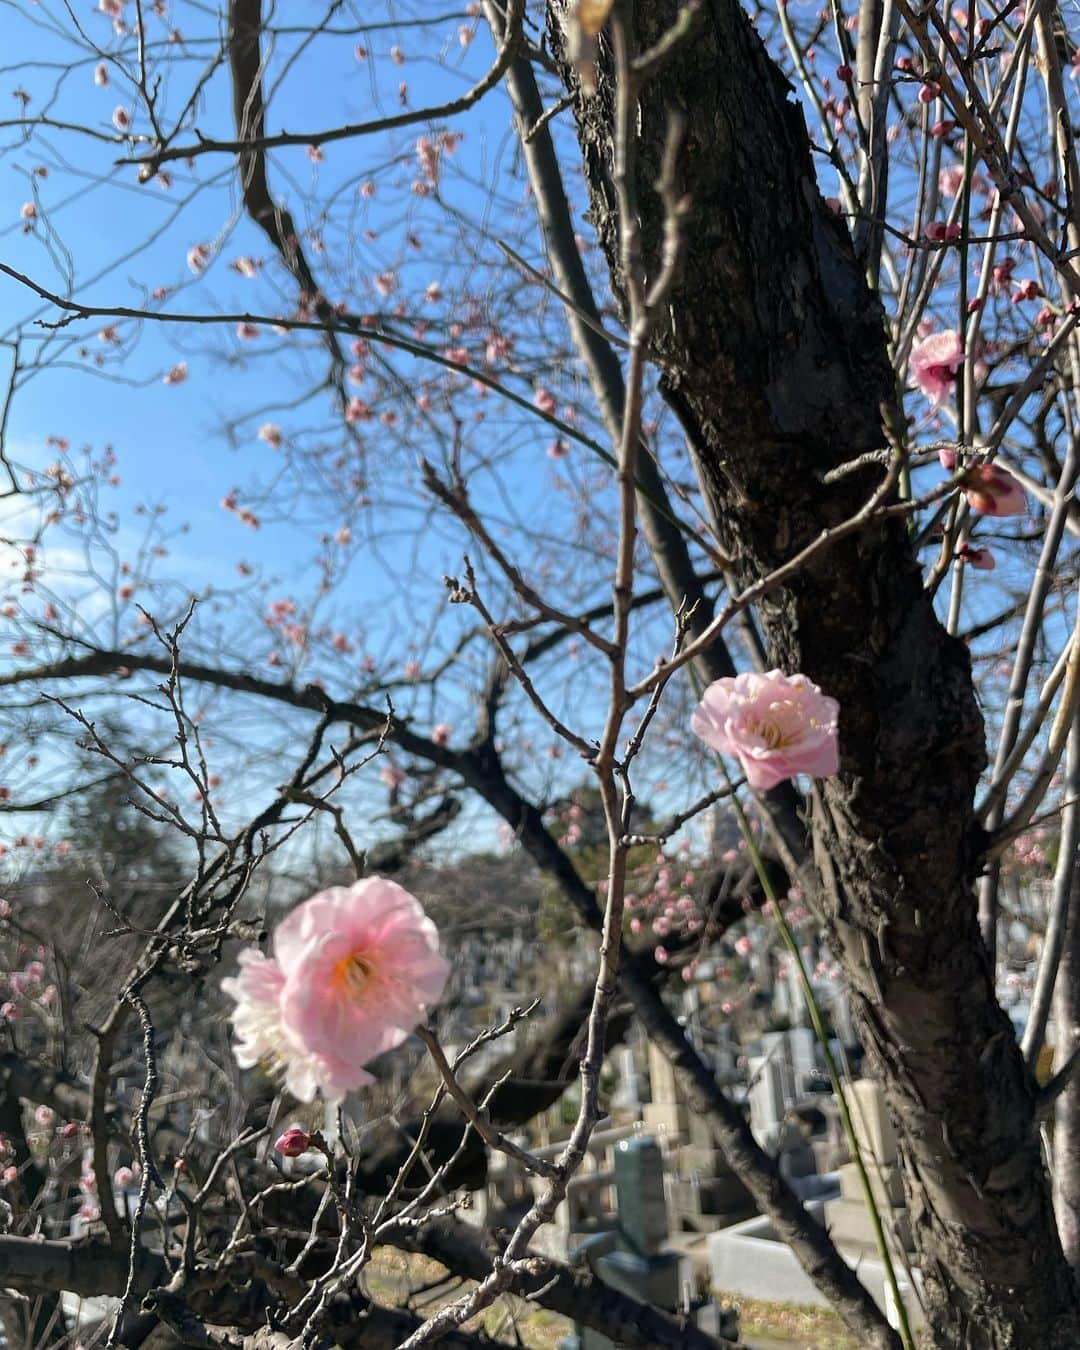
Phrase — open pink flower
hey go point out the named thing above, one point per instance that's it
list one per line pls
(934, 363)
(353, 970)
(993, 491)
(361, 963)
(776, 725)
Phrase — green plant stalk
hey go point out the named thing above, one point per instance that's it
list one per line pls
(788, 939)
(818, 1022)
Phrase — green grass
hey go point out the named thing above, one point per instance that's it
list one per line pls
(396, 1279)
(790, 1325)
(393, 1276)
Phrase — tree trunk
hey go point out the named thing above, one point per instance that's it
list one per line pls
(1067, 1107)
(774, 358)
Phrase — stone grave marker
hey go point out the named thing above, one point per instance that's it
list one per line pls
(847, 1218)
(666, 1113)
(630, 1259)
(767, 1101)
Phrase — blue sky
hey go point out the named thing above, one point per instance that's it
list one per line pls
(187, 446)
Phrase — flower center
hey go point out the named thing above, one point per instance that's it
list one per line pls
(351, 975)
(771, 733)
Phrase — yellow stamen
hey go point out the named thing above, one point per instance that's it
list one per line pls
(352, 972)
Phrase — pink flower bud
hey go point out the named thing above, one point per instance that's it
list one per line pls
(1027, 290)
(980, 558)
(293, 1142)
(993, 491)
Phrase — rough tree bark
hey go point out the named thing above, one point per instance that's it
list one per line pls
(1067, 1108)
(774, 358)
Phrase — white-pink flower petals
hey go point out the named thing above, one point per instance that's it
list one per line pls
(934, 364)
(776, 725)
(353, 971)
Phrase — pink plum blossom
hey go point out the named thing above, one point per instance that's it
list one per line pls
(177, 375)
(427, 156)
(934, 363)
(352, 972)
(993, 491)
(357, 411)
(950, 180)
(361, 963)
(776, 725)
